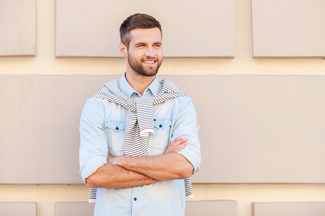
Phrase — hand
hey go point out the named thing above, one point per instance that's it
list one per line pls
(113, 160)
(177, 145)
(120, 161)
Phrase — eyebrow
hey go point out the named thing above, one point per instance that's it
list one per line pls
(142, 43)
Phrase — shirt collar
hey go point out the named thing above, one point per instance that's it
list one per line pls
(127, 90)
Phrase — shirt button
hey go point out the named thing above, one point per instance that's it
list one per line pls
(135, 199)
(160, 125)
(116, 128)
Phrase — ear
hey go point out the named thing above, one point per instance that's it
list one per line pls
(123, 50)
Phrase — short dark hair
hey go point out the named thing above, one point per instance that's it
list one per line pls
(142, 21)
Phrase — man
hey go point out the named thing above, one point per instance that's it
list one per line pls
(151, 183)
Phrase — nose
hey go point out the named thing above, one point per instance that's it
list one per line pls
(150, 52)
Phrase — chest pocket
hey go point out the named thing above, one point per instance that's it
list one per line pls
(116, 136)
(158, 142)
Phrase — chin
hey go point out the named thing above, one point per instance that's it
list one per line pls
(149, 74)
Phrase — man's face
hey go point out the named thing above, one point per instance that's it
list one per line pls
(144, 54)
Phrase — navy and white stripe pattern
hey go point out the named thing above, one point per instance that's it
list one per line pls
(145, 112)
(92, 195)
(139, 120)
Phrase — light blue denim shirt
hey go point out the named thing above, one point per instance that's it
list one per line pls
(102, 133)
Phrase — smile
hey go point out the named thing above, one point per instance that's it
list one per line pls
(149, 61)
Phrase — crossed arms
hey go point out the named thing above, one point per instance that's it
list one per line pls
(98, 170)
(128, 171)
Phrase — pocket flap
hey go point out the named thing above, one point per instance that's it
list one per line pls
(162, 123)
(114, 125)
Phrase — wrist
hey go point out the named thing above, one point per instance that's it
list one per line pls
(122, 161)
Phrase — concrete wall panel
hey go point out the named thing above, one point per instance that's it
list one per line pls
(254, 129)
(211, 208)
(285, 209)
(192, 28)
(17, 27)
(17, 209)
(288, 28)
(80, 209)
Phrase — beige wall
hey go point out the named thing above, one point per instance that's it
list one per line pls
(18, 28)
(47, 195)
(96, 35)
(243, 63)
(290, 28)
(253, 128)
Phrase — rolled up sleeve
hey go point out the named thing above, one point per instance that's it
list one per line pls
(185, 125)
(93, 150)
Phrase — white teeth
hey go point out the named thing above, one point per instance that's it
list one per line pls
(149, 62)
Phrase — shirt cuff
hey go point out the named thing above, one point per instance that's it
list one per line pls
(91, 167)
(188, 154)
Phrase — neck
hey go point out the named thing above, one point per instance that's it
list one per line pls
(138, 82)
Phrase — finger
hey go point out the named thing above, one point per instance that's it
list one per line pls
(178, 141)
(171, 148)
(181, 147)
(176, 145)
